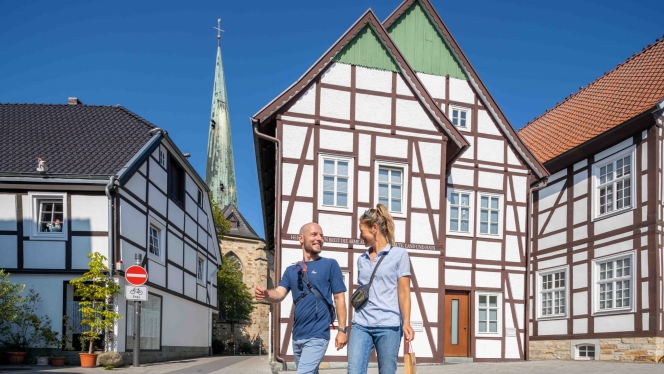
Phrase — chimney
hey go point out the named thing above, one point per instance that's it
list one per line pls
(73, 101)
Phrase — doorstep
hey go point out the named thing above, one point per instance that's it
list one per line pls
(454, 360)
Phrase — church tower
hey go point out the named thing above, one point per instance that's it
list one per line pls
(220, 169)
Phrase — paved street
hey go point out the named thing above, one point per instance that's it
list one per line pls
(259, 365)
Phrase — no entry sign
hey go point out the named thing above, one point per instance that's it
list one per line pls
(136, 275)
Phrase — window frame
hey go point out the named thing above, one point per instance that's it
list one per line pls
(629, 151)
(404, 168)
(471, 212)
(351, 182)
(468, 111)
(501, 214)
(161, 226)
(596, 283)
(500, 306)
(162, 157)
(161, 324)
(202, 258)
(35, 199)
(540, 291)
(175, 168)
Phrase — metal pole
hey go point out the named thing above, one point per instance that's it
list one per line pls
(137, 322)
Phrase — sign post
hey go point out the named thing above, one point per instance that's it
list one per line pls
(136, 276)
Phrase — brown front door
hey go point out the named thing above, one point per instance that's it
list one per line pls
(456, 333)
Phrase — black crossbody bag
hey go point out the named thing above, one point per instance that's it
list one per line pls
(361, 295)
(312, 289)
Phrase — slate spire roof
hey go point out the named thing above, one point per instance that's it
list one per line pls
(632, 88)
(243, 230)
(75, 140)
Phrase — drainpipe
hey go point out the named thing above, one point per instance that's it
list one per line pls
(277, 229)
(109, 187)
(526, 344)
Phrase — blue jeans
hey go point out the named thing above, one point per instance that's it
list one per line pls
(362, 342)
(308, 354)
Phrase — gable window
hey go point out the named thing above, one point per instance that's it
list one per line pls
(335, 183)
(614, 283)
(49, 216)
(162, 158)
(553, 293)
(176, 182)
(460, 117)
(488, 313)
(156, 239)
(460, 212)
(200, 269)
(490, 212)
(614, 184)
(200, 198)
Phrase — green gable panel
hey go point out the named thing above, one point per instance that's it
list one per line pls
(366, 50)
(422, 45)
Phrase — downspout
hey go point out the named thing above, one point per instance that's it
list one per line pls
(109, 187)
(526, 344)
(277, 230)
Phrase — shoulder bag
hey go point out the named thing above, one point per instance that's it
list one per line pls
(361, 295)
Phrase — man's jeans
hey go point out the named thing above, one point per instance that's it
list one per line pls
(362, 342)
(308, 354)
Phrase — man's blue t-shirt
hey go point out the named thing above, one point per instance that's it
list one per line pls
(325, 275)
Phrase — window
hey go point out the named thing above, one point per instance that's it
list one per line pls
(488, 313)
(176, 182)
(235, 261)
(552, 293)
(614, 184)
(156, 239)
(200, 269)
(460, 117)
(335, 183)
(200, 198)
(614, 283)
(151, 312)
(460, 212)
(155, 234)
(390, 188)
(585, 352)
(49, 216)
(162, 157)
(490, 213)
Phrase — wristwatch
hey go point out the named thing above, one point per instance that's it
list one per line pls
(343, 329)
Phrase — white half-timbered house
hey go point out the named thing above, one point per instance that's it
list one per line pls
(117, 185)
(596, 265)
(394, 113)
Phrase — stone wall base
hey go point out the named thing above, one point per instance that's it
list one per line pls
(611, 349)
(167, 353)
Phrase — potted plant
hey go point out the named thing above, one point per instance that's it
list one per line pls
(59, 359)
(97, 293)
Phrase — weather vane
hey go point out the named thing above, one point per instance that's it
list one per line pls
(218, 28)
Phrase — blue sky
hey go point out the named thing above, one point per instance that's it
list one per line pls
(157, 58)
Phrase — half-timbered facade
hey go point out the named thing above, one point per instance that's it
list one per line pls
(596, 265)
(117, 185)
(394, 113)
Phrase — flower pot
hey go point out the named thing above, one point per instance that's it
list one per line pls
(16, 358)
(57, 361)
(88, 360)
(42, 361)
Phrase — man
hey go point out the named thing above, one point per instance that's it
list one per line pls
(311, 331)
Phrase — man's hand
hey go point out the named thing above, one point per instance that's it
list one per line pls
(341, 340)
(260, 292)
(408, 332)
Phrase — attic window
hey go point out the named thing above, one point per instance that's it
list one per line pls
(176, 182)
(235, 223)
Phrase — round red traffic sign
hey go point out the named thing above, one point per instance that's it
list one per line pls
(136, 275)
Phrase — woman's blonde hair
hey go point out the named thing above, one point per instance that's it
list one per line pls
(382, 218)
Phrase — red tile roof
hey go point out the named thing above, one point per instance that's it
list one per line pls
(623, 93)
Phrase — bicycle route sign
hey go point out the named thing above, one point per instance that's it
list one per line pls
(136, 293)
(136, 275)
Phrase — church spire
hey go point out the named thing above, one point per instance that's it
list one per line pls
(220, 169)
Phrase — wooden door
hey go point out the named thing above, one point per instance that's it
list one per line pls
(457, 330)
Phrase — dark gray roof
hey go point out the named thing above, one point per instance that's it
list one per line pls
(73, 139)
(243, 230)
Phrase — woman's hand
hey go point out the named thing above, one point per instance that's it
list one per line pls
(408, 332)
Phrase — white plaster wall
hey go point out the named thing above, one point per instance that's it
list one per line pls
(26, 215)
(418, 193)
(580, 276)
(190, 258)
(402, 87)
(190, 320)
(306, 186)
(132, 223)
(430, 301)
(191, 187)
(556, 327)
(433, 187)
(288, 172)
(293, 140)
(518, 285)
(337, 74)
(175, 215)
(158, 175)
(489, 250)
(89, 213)
(202, 237)
(191, 208)
(469, 154)
(430, 153)
(175, 249)
(364, 157)
(454, 277)
(626, 245)
(399, 230)
(411, 114)
(81, 246)
(157, 200)
(375, 109)
(302, 213)
(43, 254)
(487, 279)
(420, 229)
(615, 222)
(363, 186)
(136, 184)
(190, 285)
(490, 180)
(175, 278)
(487, 348)
(520, 188)
(373, 79)
(157, 273)
(334, 103)
(8, 212)
(460, 91)
(580, 303)
(548, 195)
(580, 326)
(558, 261)
(462, 248)
(512, 158)
(8, 251)
(435, 84)
(580, 211)
(393, 147)
(580, 184)
(485, 124)
(551, 240)
(336, 140)
(512, 347)
(190, 227)
(558, 219)
(620, 322)
(335, 225)
(512, 249)
(491, 150)
(128, 252)
(461, 177)
(426, 271)
(611, 150)
(201, 293)
(306, 104)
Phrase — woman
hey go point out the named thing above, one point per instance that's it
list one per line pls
(385, 317)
